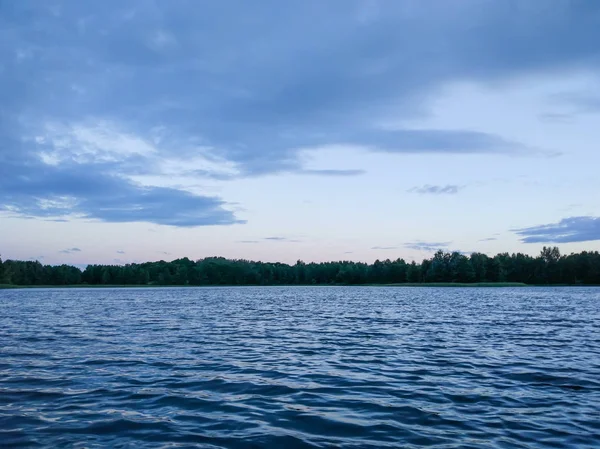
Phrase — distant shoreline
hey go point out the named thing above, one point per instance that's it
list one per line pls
(443, 269)
(408, 284)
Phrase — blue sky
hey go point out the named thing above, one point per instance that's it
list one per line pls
(316, 130)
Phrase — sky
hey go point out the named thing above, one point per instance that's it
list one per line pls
(137, 130)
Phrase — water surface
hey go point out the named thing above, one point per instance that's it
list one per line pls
(351, 367)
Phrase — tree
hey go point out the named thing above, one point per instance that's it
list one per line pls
(413, 274)
(551, 258)
(398, 271)
(462, 270)
(479, 263)
(3, 279)
(106, 278)
(438, 270)
(548, 267)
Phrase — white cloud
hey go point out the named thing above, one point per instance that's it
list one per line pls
(198, 164)
(87, 143)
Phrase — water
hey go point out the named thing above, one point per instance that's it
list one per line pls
(300, 367)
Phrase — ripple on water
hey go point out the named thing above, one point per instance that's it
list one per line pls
(300, 367)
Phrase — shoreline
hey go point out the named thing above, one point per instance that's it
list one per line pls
(408, 284)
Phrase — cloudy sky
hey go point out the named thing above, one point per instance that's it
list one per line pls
(316, 130)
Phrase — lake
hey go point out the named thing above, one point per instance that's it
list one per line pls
(295, 367)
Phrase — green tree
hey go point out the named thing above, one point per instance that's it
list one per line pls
(479, 263)
(462, 270)
(551, 258)
(548, 267)
(106, 277)
(438, 270)
(414, 273)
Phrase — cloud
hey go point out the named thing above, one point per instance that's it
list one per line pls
(385, 247)
(247, 241)
(436, 190)
(91, 191)
(489, 239)
(120, 252)
(578, 102)
(566, 106)
(242, 97)
(567, 230)
(70, 251)
(427, 246)
(281, 239)
(441, 141)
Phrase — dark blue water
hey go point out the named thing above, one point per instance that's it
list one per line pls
(300, 367)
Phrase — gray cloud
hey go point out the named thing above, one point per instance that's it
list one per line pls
(247, 241)
(70, 251)
(281, 239)
(568, 105)
(120, 252)
(567, 230)
(87, 191)
(578, 102)
(427, 246)
(489, 239)
(441, 141)
(250, 92)
(384, 247)
(436, 190)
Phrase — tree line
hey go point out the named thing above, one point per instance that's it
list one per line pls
(549, 267)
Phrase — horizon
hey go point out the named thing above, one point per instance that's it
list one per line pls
(355, 130)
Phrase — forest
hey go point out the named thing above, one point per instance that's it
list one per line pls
(549, 267)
